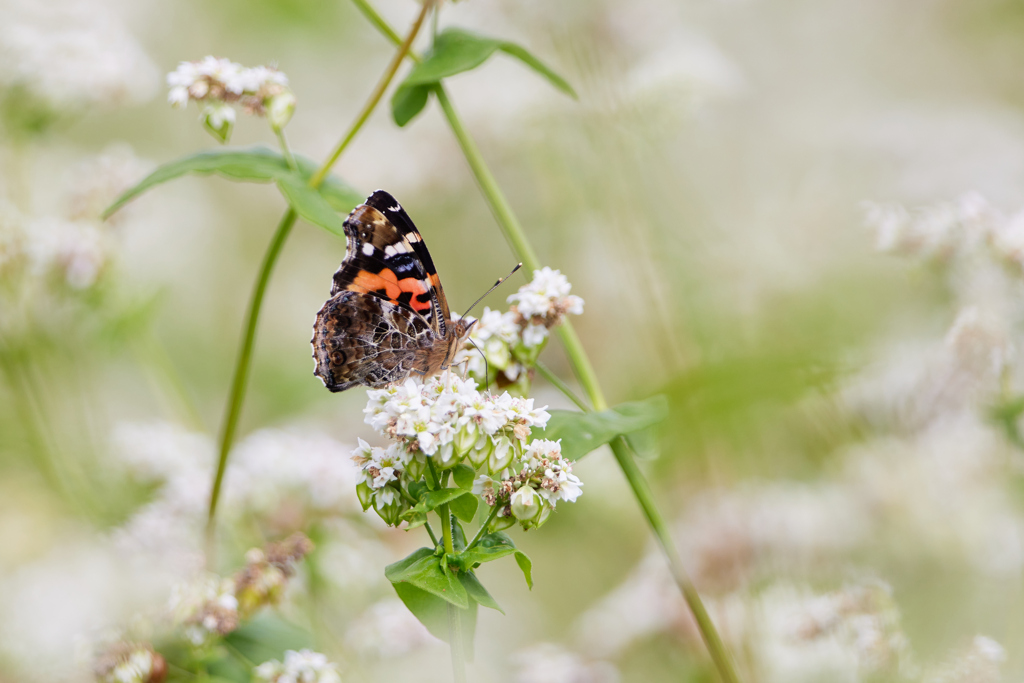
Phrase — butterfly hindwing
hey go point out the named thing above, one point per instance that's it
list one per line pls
(363, 339)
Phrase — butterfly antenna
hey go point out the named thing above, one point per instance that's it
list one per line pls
(487, 369)
(500, 280)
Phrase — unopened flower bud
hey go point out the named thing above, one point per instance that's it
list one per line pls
(501, 456)
(219, 120)
(416, 467)
(280, 110)
(446, 456)
(388, 505)
(465, 439)
(527, 506)
(365, 495)
(481, 451)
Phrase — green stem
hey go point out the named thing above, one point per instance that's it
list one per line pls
(455, 641)
(483, 529)
(488, 185)
(584, 371)
(285, 149)
(378, 92)
(557, 382)
(244, 362)
(242, 366)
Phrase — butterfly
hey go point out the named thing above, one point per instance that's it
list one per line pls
(387, 316)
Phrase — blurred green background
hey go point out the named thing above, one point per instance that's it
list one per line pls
(840, 487)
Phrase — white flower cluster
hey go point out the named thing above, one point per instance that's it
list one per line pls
(543, 479)
(511, 341)
(551, 663)
(63, 55)
(130, 663)
(205, 608)
(446, 419)
(942, 231)
(304, 666)
(218, 83)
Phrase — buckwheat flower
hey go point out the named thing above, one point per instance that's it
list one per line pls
(263, 579)
(546, 299)
(304, 666)
(980, 662)
(205, 607)
(125, 662)
(534, 335)
(486, 488)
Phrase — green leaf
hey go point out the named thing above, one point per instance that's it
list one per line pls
(407, 102)
(527, 566)
(423, 570)
(583, 432)
(464, 476)
(260, 164)
(436, 499)
(254, 164)
(310, 204)
(432, 612)
(465, 507)
(477, 591)
(493, 546)
(455, 51)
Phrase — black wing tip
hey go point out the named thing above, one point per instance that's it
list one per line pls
(381, 199)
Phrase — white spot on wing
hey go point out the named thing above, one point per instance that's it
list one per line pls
(368, 249)
(396, 207)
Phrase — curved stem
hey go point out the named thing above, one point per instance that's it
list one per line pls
(242, 365)
(483, 528)
(378, 92)
(557, 383)
(285, 149)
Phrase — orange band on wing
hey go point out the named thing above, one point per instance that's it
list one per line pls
(393, 288)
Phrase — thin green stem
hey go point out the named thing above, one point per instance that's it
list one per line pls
(285, 149)
(455, 641)
(642, 491)
(244, 362)
(483, 529)
(378, 92)
(584, 371)
(557, 383)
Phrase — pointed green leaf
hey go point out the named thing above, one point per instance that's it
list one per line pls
(540, 67)
(408, 101)
(422, 569)
(477, 591)
(432, 612)
(465, 507)
(491, 547)
(527, 566)
(436, 499)
(455, 51)
(583, 432)
(255, 164)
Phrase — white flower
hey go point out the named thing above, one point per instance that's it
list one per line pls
(535, 335)
(304, 666)
(546, 295)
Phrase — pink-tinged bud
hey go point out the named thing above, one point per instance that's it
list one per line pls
(527, 506)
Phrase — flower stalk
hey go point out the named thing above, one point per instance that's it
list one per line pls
(582, 367)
